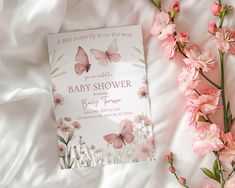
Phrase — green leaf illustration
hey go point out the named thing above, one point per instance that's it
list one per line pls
(61, 139)
(53, 71)
(69, 156)
(70, 136)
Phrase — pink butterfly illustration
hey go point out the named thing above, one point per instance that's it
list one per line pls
(117, 140)
(108, 56)
(82, 64)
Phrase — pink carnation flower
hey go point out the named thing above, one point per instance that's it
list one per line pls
(143, 92)
(224, 40)
(65, 128)
(61, 150)
(227, 155)
(230, 183)
(208, 101)
(76, 125)
(169, 47)
(58, 99)
(207, 138)
(188, 80)
(199, 58)
(162, 27)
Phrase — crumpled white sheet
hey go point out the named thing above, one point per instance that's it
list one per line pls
(28, 146)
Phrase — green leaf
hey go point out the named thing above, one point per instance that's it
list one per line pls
(58, 74)
(69, 156)
(71, 164)
(157, 2)
(53, 71)
(209, 173)
(142, 61)
(70, 136)
(59, 58)
(216, 169)
(139, 51)
(61, 139)
(65, 164)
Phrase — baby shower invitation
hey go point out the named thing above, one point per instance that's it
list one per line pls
(101, 97)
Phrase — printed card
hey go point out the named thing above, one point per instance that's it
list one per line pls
(101, 97)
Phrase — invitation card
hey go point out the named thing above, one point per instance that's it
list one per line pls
(101, 97)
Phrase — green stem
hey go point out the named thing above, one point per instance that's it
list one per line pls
(231, 173)
(158, 6)
(176, 176)
(221, 20)
(200, 70)
(220, 3)
(222, 181)
(209, 80)
(226, 128)
(208, 119)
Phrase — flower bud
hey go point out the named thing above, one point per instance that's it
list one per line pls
(182, 180)
(174, 9)
(215, 9)
(172, 169)
(169, 157)
(175, 6)
(212, 27)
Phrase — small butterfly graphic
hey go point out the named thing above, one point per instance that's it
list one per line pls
(82, 64)
(108, 56)
(118, 140)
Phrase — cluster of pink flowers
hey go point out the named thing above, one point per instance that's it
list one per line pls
(58, 99)
(143, 119)
(224, 38)
(66, 125)
(143, 91)
(201, 102)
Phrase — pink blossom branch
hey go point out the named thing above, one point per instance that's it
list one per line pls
(200, 71)
(169, 158)
(221, 55)
(209, 80)
(208, 136)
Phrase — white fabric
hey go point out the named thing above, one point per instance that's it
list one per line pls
(28, 146)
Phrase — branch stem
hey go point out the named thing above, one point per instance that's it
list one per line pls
(222, 181)
(209, 80)
(226, 128)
